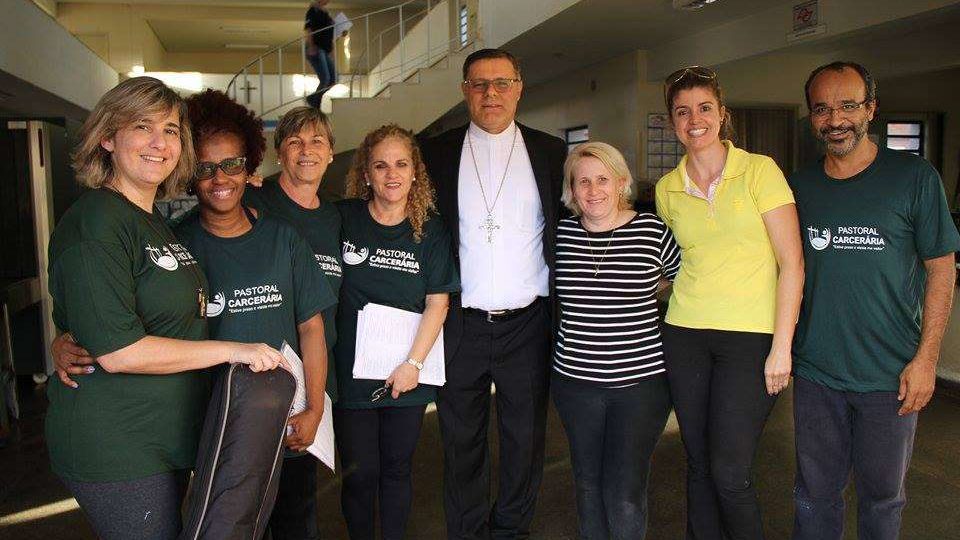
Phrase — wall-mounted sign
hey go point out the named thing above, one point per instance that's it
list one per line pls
(806, 21)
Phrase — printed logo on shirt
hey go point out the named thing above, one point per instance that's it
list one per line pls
(353, 256)
(215, 306)
(329, 265)
(395, 259)
(170, 256)
(846, 237)
(258, 297)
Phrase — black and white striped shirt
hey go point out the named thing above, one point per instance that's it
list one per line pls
(606, 285)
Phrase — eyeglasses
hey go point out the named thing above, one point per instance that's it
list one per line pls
(699, 72)
(379, 393)
(845, 109)
(481, 85)
(231, 166)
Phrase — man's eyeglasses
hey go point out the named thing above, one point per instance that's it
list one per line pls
(231, 166)
(845, 109)
(481, 85)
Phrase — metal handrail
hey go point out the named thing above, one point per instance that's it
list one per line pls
(255, 68)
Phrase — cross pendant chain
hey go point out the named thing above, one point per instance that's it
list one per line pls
(489, 225)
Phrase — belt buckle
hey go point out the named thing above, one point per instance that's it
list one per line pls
(495, 313)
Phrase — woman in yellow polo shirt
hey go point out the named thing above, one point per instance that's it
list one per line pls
(734, 305)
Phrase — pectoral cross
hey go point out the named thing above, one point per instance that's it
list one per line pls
(489, 225)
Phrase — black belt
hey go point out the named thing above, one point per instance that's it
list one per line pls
(499, 315)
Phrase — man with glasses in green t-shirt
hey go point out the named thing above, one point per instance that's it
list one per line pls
(879, 247)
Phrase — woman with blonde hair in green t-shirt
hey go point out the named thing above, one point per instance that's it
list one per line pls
(133, 296)
(734, 303)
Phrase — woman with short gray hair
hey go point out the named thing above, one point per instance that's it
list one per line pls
(608, 381)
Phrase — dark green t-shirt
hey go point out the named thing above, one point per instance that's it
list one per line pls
(864, 242)
(118, 274)
(263, 283)
(383, 265)
(320, 227)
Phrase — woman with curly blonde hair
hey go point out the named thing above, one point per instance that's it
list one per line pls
(396, 252)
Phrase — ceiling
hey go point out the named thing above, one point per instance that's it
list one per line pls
(594, 30)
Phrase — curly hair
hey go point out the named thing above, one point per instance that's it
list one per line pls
(120, 107)
(420, 200)
(213, 112)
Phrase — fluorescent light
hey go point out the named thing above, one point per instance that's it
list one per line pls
(136, 71)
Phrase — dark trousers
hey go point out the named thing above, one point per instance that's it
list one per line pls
(612, 434)
(720, 397)
(376, 451)
(837, 432)
(514, 356)
(294, 514)
(144, 508)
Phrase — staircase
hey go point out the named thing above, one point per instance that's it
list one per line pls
(408, 72)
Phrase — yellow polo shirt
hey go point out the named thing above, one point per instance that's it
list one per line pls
(728, 273)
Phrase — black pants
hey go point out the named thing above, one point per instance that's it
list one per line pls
(514, 356)
(294, 514)
(612, 434)
(376, 450)
(719, 394)
(144, 508)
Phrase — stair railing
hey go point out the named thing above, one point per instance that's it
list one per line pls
(408, 15)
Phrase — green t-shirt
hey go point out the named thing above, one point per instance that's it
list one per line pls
(864, 242)
(383, 265)
(118, 274)
(263, 283)
(320, 227)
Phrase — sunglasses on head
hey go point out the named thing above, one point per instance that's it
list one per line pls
(230, 166)
(699, 72)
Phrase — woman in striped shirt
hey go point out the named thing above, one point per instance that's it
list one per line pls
(609, 384)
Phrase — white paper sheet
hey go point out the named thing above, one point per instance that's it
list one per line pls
(323, 443)
(384, 337)
(342, 24)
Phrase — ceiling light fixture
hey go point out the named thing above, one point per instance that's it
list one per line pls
(691, 5)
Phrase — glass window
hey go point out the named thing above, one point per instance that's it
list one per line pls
(464, 26)
(906, 136)
(576, 135)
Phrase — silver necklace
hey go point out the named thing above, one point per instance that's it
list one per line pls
(489, 224)
(596, 263)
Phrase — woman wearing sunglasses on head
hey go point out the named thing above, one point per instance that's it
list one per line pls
(734, 303)
(265, 282)
(396, 252)
(134, 297)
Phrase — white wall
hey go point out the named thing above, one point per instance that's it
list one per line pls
(427, 40)
(34, 48)
(503, 20)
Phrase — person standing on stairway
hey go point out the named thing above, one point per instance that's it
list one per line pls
(498, 188)
(318, 31)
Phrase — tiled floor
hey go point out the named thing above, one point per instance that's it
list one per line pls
(933, 484)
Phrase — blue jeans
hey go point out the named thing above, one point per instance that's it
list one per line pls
(322, 63)
(612, 434)
(838, 431)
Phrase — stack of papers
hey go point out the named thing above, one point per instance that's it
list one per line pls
(384, 337)
(323, 444)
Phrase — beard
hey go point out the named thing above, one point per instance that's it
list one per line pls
(841, 149)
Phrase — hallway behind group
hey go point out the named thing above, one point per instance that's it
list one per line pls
(35, 506)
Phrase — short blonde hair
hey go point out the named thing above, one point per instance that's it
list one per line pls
(295, 119)
(120, 107)
(420, 200)
(611, 158)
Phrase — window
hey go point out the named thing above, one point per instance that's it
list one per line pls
(906, 136)
(464, 25)
(576, 135)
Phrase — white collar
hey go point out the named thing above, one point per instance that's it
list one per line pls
(504, 137)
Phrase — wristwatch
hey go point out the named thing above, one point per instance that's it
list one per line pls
(414, 363)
